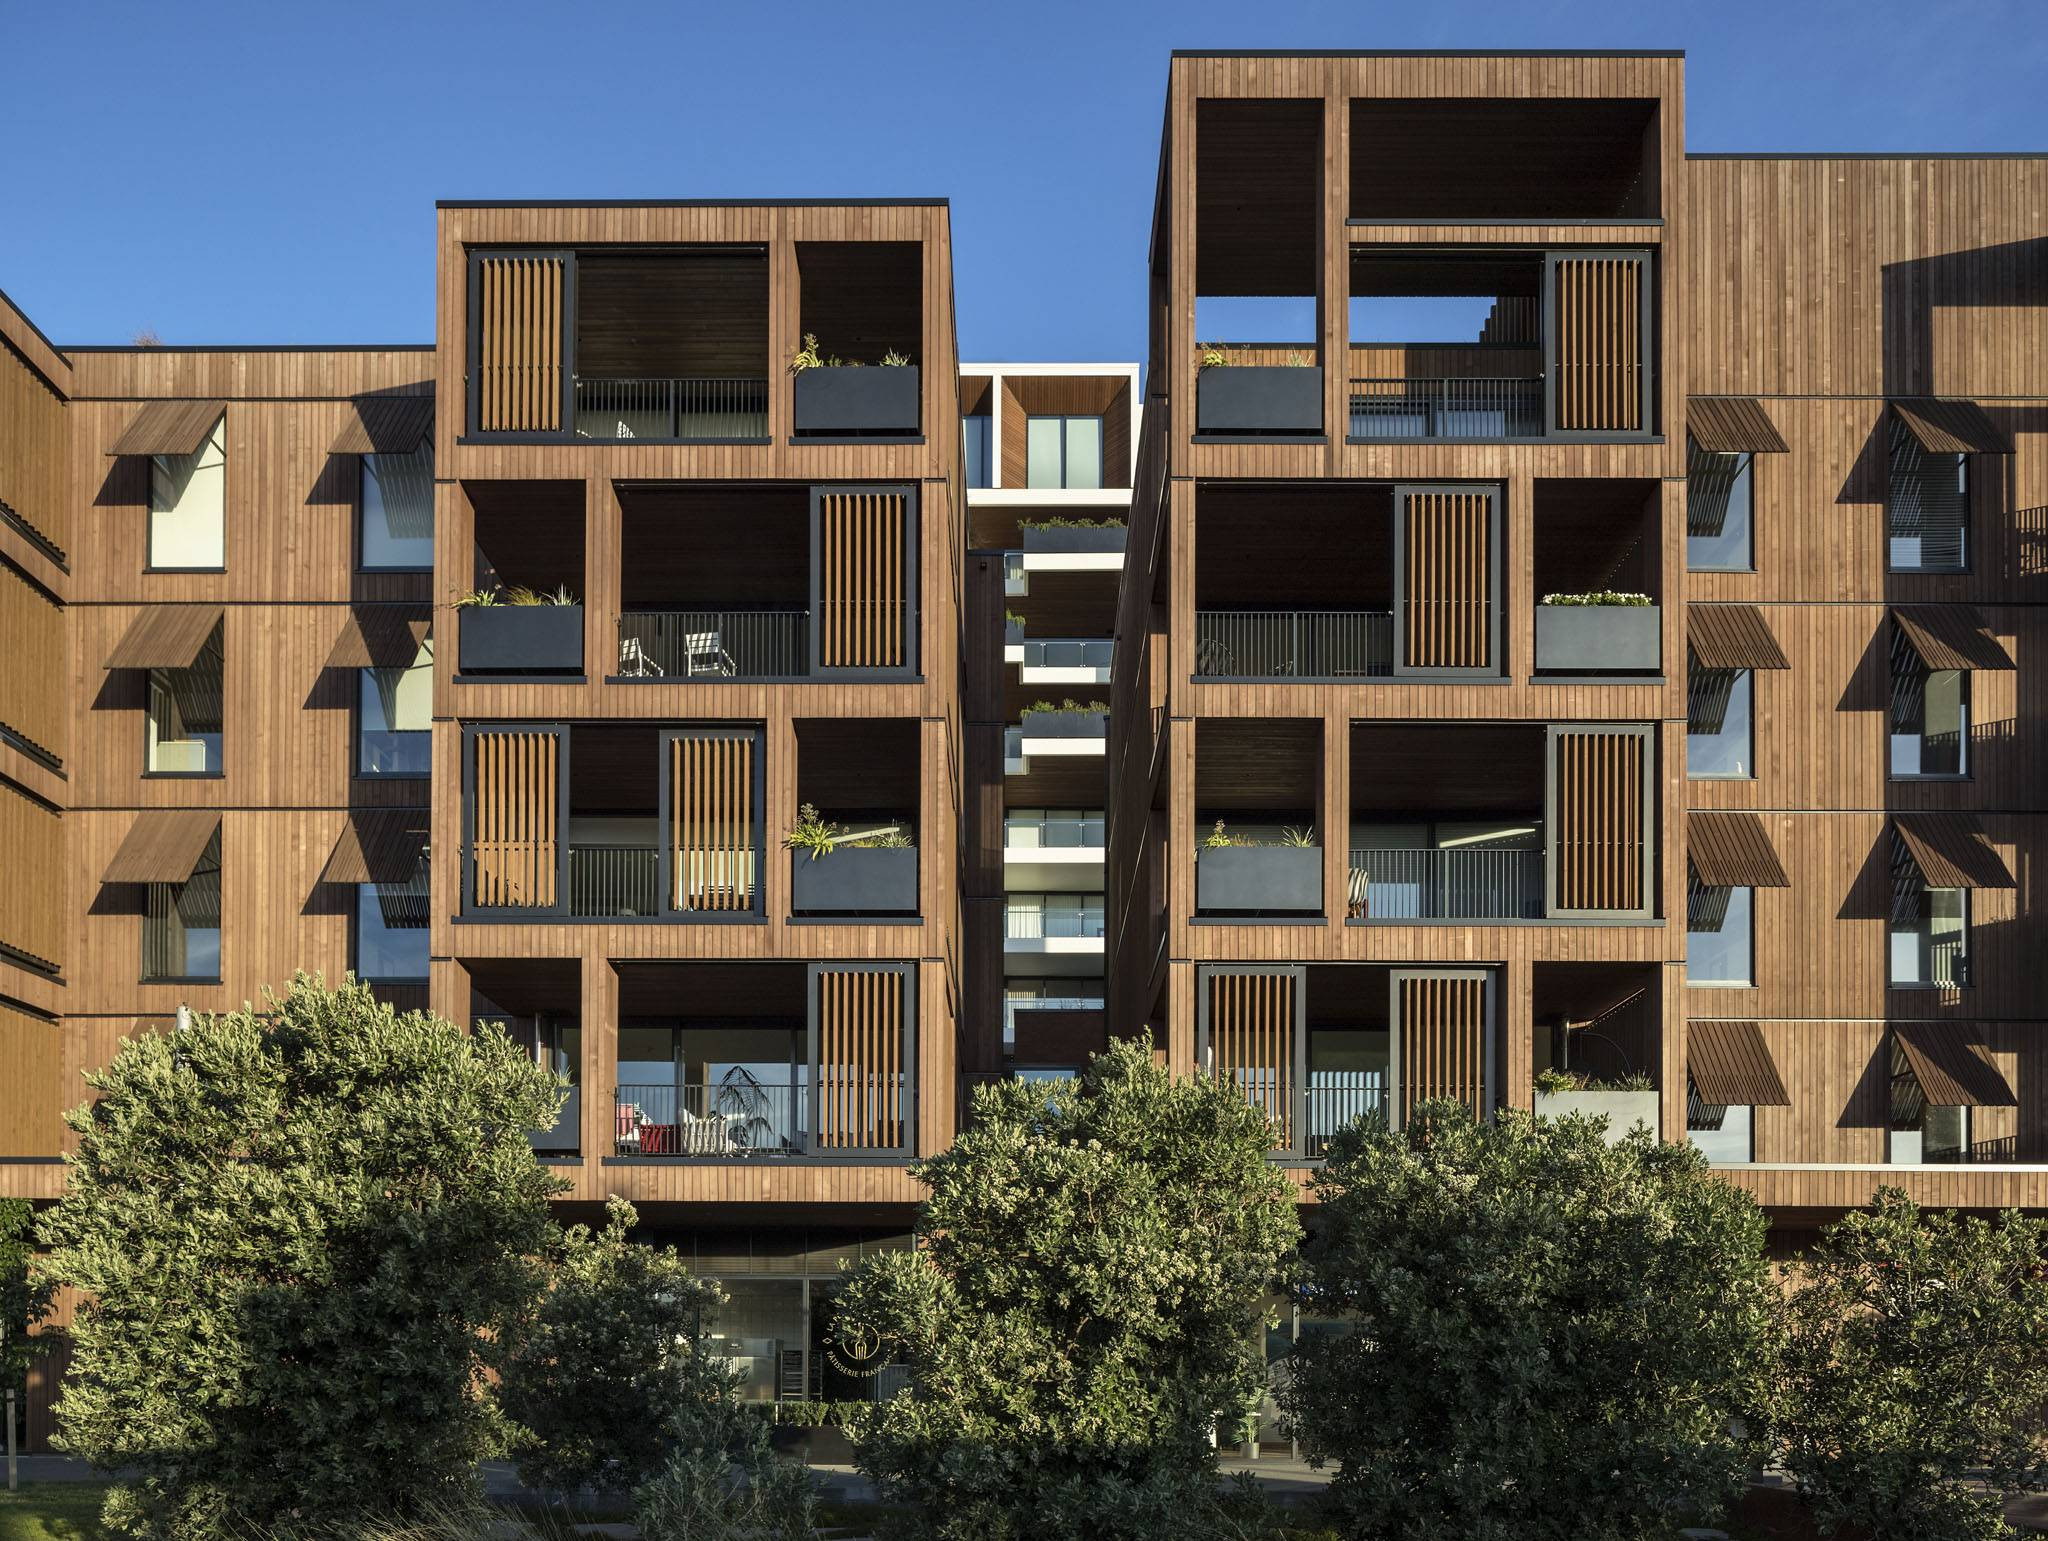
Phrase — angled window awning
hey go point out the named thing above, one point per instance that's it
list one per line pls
(1951, 851)
(1731, 1065)
(380, 637)
(1732, 425)
(1944, 426)
(1953, 1072)
(385, 425)
(169, 428)
(1951, 637)
(1732, 637)
(165, 637)
(1732, 850)
(163, 845)
(378, 845)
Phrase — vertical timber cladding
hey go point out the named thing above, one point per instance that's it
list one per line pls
(515, 799)
(31, 1084)
(1598, 820)
(712, 785)
(1446, 1039)
(1449, 563)
(862, 1015)
(32, 910)
(1250, 1029)
(1599, 343)
(520, 316)
(863, 560)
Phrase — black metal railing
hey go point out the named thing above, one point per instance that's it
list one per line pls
(738, 1115)
(1447, 407)
(615, 881)
(1454, 884)
(714, 644)
(1264, 644)
(672, 408)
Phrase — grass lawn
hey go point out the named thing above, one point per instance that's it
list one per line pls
(52, 1511)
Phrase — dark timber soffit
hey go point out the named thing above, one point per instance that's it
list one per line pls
(378, 845)
(169, 428)
(1951, 851)
(1951, 637)
(1951, 1070)
(165, 637)
(1731, 850)
(1944, 426)
(385, 425)
(1732, 425)
(163, 845)
(1731, 1065)
(380, 637)
(1732, 637)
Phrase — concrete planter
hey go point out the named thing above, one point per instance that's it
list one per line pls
(1589, 639)
(1108, 537)
(854, 882)
(1265, 879)
(519, 639)
(878, 398)
(1259, 398)
(1622, 1110)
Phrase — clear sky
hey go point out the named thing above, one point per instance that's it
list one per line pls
(266, 172)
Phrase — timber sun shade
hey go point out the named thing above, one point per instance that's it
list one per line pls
(163, 845)
(165, 637)
(1731, 1065)
(1731, 850)
(1951, 637)
(1732, 425)
(378, 845)
(385, 425)
(1948, 427)
(1951, 1070)
(169, 428)
(380, 637)
(1732, 637)
(1951, 852)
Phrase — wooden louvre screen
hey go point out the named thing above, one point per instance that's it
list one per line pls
(32, 912)
(519, 345)
(863, 606)
(1600, 344)
(712, 811)
(1251, 1042)
(515, 841)
(1599, 842)
(33, 697)
(31, 1085)
(1731, 1065)
(35, 448)
(1447, 580)
(1443, 1042)
(860, 1058)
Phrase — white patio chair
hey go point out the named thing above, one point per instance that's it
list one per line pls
(704, 654)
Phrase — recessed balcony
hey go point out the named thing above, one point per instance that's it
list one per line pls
(1258, 851)
(1598, 579)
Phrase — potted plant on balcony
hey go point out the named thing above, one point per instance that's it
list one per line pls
(1013, 627)
(1598, 631)
(1239, 877)
(835, 873)
(1624, 1102)
(1236, 398)
(1070, 719)
(1058, 533)
(519, 631)
(842, 397)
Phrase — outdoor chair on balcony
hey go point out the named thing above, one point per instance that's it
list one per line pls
(1359, 889)
(711, 1135)
(634, 664)
(703, 653)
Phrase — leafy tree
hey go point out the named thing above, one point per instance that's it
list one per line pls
(293, 1232)
(1917, 1353)
(1092, 1265)
(21, 1298)
(723, 1481)
(1541, 1336)
(610, 1357)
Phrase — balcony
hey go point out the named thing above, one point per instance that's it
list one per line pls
(1059, 933)
(675, 409)
(1283, 644)
(1414, 407)
(536, 1003)
(714, 644)
(1598, 579)
(1069, 731)
(861, 307)
(524, 616)
(1053, 849)
(1438, 883)
(1600, 1025)
(740, 1116)
(1060, 660)
(1257, 806)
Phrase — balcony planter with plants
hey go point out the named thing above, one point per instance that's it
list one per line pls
(1236, 878)
(1070, 719)
(516, 631)
(1598, 633)
(1074, 535)
(1257, 398)
(834, 397)
(1623, 1104)
(831, 875)
(1013, 629)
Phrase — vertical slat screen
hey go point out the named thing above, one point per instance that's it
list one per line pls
(1443, 1042)
(32, 1096)
(35, 449)
(713, 861)
(1599, 344)
(860, 1059)
(1599, 840)
(1251, 1043)
(32, 905)
(1447, 580)
(515, 844)
(32, 686)
(863, 609)
(519, 353)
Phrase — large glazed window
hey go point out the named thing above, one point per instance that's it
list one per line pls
(1719, 502)
(1927, 509)
(1720, 725)
(396, 709)
(1930, 715)
(184, 712)
(1719, 942)
(391, 929)
(397, 510)
(181, 924)
(1064, 452)
(188, 506)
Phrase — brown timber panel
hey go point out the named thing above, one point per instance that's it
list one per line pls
(520, 350)
(31, 1098)
(1251, 1041)
(1443, 1043)
(32, 686)
(860, 562)
(1448, 580)
(514, 849)
(860, 1058)
(1599, 344)
(711, 822)
(35, 451)
(1600, 813)
(32, 901)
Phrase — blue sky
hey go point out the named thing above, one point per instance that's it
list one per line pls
(266, 173)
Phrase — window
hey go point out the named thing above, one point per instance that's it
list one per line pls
(974, 434)
(1930, 931)
(556, 1044)
(1921, 1133)
(182, 721)
(181, 924)
(397, 510)
(1719, 935)
(1719, 502)
(1927, 513)
(1063, 452)
(395, 716)
(1719, 725)
(188, 506)
(1721, 1134)
(1930, 715)
(391, 929)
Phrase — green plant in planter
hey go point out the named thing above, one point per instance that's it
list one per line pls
(1062, 522)
(895, 358)
(807, 357)
(1296, 360)
(1012, 618)
(1213, 356)
(479, 599)
(812, 833)
(1068, 705)
(1597, 597)
(518, 595)
(884, 840)
(1299, 837)
(1552, 1082)
(1218, 838)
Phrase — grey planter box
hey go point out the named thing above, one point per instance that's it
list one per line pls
(876, 398)
(854, 882)
(567, 1134)
(1264, 878)
(1622, 1110)
(1587, 639)
(519, 639)
(1013, 631)
(1259, 398)
(1066, 724)
(1067, 538)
